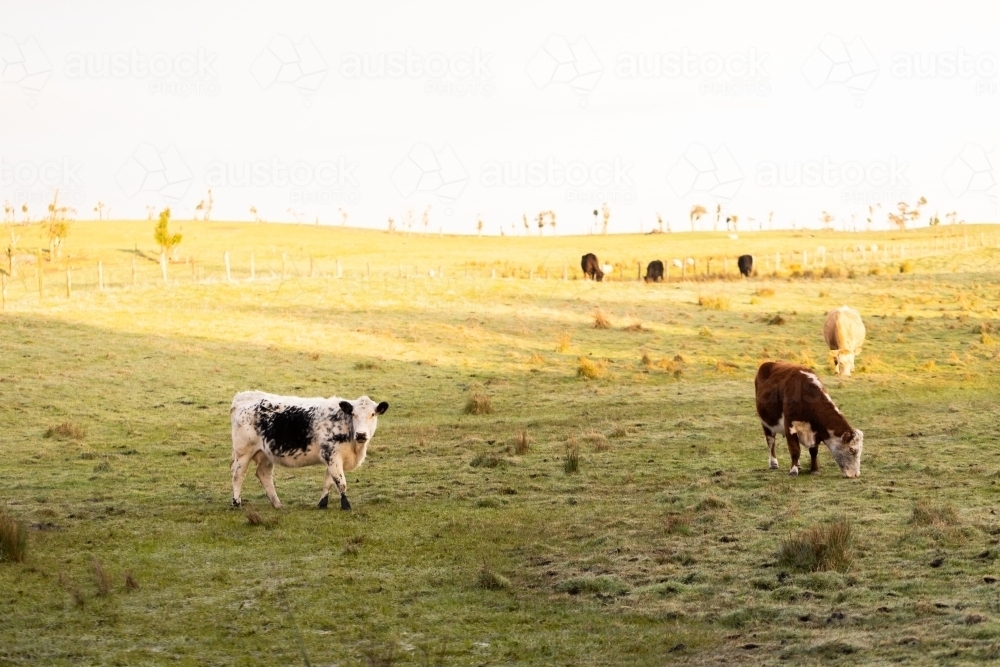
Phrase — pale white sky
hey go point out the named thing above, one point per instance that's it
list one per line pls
(304, 109)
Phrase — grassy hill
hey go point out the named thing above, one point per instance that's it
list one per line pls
(664, 544)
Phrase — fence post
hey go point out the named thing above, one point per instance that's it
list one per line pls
(684, 266)
(100, 276)
(708, 267)
(725, 267)
(638, 270)
(493, 273)
(340, 272)
(38, 265)
(311, 267)
(69, 283)
(163, 266)
(133, 272)
(3, 290)
(253, 269)
(777, 262)
(565, 273)
(225, 258)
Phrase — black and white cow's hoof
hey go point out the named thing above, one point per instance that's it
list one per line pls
(236, 504)
(324, 501)
(345, 504)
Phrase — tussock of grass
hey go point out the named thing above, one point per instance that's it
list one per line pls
(479, 403)
(590, 369)
(705, 332)
(101, 578)
(490, 580)
(777, 320)
(563, 342)
(635, 326)
(709, 503)
(255, 519)
(131, 583)
(677, 524)
(666, 364)
(763, 291)
(485, 460)
(13, 538)
(67, 430)
(602, 585)
(367, 365)
(927, 514)
(79, 599)
(600, 319)
(820, 548)
(714, 302)
(522, 442)
(906, 266)
(596, 439)
(571, 460)
(618, 431)
(352, 546)
(646, 360)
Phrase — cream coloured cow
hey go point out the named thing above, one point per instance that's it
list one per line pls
(845, 334)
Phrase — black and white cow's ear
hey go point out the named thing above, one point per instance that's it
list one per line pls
(347, 407)
(381, 408)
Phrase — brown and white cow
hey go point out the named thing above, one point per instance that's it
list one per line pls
(845, 334)
(791, 400)
(294, 432)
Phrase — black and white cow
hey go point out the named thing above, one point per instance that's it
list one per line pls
(295, 432)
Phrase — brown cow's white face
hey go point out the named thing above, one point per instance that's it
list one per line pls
(846, 452)
(364, 413)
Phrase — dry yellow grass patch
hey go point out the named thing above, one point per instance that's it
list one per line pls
(600, 319)
(590, 369)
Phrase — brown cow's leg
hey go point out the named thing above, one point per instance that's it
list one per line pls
(772, 460)
(793, 450)
(813, 451)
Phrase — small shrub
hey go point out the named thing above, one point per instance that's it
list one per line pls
(522, 442)
(596, 439)
(13, 538)
(602, 585)
(764, 291)
(646, 360)
(101, 578)
(929, 365)
(485, 460)
(479, 403)
(906, 266)
(74, 591)
(925, 514)
(571, 462)
(819, 548)
(600, 321)
(489, 579)
(131, 584)
(714, 302)
(563, 342)
(255, 519)
(666, 364)
(618, 431)
(777, 320)
(66, 431)
(590, 369)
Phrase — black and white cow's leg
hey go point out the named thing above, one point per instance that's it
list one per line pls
(265, 473)
(793, 450)
(335, 477)
(772, 460)
(239, 468)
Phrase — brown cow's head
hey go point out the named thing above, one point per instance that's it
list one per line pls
(846, 450)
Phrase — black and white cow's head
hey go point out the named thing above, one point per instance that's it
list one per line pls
(363, 413)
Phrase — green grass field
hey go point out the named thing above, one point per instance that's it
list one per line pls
(662, 547)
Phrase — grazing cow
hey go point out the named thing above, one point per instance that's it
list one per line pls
(791, 400)
(654, 272)
(745, 264)
(845, 334)
(591, 267)
(295, 432)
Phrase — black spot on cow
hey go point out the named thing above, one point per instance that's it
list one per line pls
(591, 267)
(286, 429)
(745, 262)
(654, 272)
